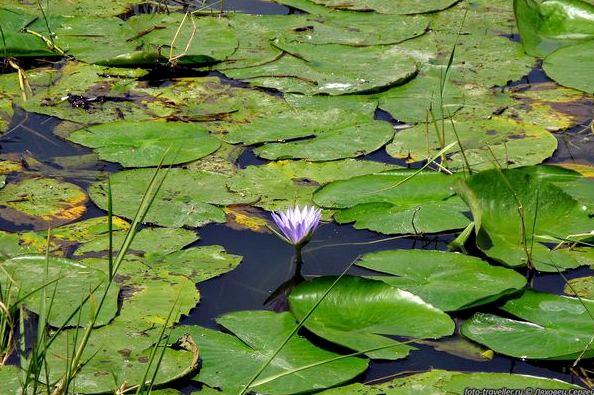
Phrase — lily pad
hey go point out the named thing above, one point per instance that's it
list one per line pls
(141, 144)
(397, 201)
(148, 241)
(564, 324)
(186, 198)
(333, 69)
(255, 34)
(484, 143)
(105, 41)
(443, 382)
(358, 311)
(547, 214)
(79, 7)
(340, 143)
(278, 184)
(304, 117)
(63, 238)
(386, 218)
(255, 336)
(185, 39)
(102, 94)
(448, 281)
(358, 28)
(17, 43)
(551, 24)
(580, 286)
(117, 356)
(570, 66)
(41, 202)
(420, 100)
(10, 377)
(388, 6)
(150, 294)
(198, 263)
(65, 285)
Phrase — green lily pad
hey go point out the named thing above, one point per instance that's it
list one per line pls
(70, 282)
(388, 6)
(198, 263)
(340, 143)
(150, 294)
(257, 335)
(51, 86)
(190, 198)
(141, 144)
(562, 323)
(449, 281)
(79, 7)
(396, 201)
(358, 311)
(116, 95)
(484, 143)
(580, 286)
(118, 355)
(255, 34)
(358, 28)
(551, 24)
(443, 382)
(42, 202)
(304, 117)
(185, 39)
(17, 43)
(105, 41)
(64, 237)
(386, 218)
(148, 241)
(549, 214)
(10, 377)
(570, 66)
(420, 99)
(277, 185)
(333, 69)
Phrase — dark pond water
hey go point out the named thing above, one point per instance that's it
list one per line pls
(266, 259)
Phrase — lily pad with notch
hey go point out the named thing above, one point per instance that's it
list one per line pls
(444, 382)
(449, 281)
(186, 197)
(143, 144)
(521, 216)
(70, 287)
(396, 201)
(358, 311)
(564, 324)
(255, 335)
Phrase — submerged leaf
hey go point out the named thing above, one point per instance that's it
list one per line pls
(42, 202)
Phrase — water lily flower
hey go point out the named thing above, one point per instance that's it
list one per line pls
(296, 225)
